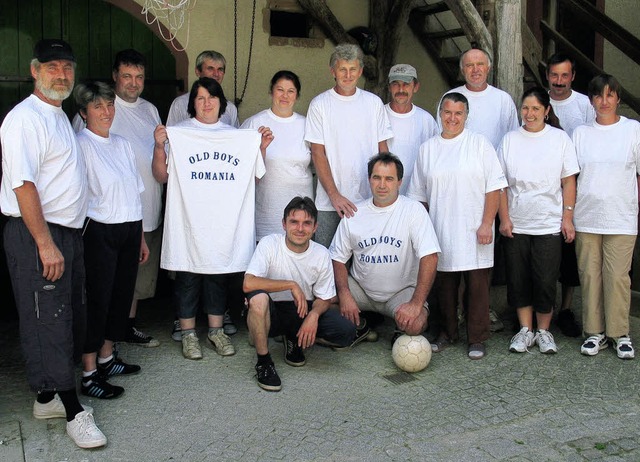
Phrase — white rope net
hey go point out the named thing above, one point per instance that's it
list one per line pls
(173, 13)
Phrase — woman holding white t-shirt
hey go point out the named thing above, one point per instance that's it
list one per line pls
(540, 165)
(288, 157)
(114, 243)
(206, 103)
(606, 218)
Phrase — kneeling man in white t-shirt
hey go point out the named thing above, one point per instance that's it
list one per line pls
(394, 253)
(290, 288)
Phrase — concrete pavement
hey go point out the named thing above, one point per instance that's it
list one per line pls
(343, 406)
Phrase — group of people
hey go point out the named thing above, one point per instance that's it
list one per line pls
(404, 211)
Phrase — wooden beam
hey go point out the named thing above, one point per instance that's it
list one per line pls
(607, 27)
(324, 17)
(508, 69)
(471, 23)
(531, 51)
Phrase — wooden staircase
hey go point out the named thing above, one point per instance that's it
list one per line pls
(442, 27)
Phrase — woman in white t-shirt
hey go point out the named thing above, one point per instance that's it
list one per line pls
(206, 103)
(114, 243)
(536, 213)
(606, 218)
(288, 158)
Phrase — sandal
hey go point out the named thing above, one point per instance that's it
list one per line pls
(476, 351)
(440, 343)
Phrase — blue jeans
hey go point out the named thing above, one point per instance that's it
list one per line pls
(284, 319)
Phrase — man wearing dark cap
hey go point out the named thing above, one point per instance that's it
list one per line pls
(44, 192)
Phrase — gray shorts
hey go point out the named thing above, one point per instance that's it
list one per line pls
(148, 273)
(387, 308)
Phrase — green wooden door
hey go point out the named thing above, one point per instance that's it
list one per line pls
(96, 31)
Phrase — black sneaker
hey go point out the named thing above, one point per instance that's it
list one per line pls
(268, 377)
(363, 334)
(97, 386)
(293, 354)
(117, 367)
(137, 337)
(396, 333)
(567, 323)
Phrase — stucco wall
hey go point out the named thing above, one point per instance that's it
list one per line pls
(211, 27)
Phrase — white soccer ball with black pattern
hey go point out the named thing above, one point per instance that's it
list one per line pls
(411, 353)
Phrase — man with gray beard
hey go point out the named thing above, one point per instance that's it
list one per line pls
(44, 192)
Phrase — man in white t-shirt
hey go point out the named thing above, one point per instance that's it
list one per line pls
(44, 192)
(345, 126)
(573, 109)
(394, 253)
(135, 120)
(290, 289)
(210, 64)
(492, 112)
(411, 124)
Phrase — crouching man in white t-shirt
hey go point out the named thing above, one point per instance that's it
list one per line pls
(394, 253)
(290, 288)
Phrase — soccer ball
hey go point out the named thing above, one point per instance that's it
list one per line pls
(411, 353)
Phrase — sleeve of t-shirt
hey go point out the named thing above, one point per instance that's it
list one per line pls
(259, 264)
(502, 150)
(494, 176)
(248, 123)
(77, 123)
(384, 125)
(416, 189)
(636, 147)
(325, 286)
(423, 236)
(340, 250)
(569, 158)
(233, 115)
(22, 155)
(313, 132)
(174, 116)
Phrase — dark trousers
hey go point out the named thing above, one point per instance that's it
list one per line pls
(477, 303)
(52, 314)
(111, 256)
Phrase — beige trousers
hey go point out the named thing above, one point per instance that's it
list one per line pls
(604, 261)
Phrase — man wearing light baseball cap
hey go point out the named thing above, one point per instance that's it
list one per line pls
(411, 125)
(44, 192)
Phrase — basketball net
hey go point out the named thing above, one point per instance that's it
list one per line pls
(174, 14)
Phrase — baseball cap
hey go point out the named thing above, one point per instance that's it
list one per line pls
(51, 49)
(403, 72)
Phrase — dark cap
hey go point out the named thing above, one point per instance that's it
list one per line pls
(51, 49)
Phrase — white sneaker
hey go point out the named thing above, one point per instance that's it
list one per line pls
(624, 348)
(545, 342)
(84, 432)
(522, 341)
(593, 344)
(191, 346)
(222, 343)
(54, 409)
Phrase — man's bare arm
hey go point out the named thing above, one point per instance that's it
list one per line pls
(341, 204)
(31, 212)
